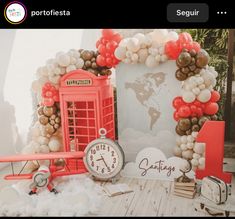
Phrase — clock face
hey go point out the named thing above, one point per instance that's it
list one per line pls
(103, 159)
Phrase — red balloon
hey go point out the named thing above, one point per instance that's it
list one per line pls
(56, 98)
(108, 61)
(117, 37)
(215, 96)
(111, 46)
(177, 102)
(211, 108)
(102, 49)
(172, 50)
(197, 103)
(176, 116)
(100, 60)
(107, 33)
(196, 46)
(184, 111)
(193, 108)
(98, 43)
(48, 102)
(199, 112)
(185, 38)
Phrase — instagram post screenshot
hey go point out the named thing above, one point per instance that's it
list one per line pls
(117, 109)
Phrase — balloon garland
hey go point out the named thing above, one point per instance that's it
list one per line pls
(197, 104)
(199, 99)
(46, 132)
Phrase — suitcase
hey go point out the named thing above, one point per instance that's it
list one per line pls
(214, 189)
(207, 207)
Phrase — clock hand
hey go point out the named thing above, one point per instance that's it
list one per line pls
(99, 159)
(104, 162)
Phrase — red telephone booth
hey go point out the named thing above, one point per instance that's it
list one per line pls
(87, 104)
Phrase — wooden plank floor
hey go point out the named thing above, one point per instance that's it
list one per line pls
(150, 198)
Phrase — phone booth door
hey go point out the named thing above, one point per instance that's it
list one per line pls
(80, 125)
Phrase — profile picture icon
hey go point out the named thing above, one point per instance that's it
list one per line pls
(15, 12)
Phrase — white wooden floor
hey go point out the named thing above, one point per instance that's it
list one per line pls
(150, 198)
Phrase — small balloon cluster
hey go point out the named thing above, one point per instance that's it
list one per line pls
(174, 47)
(90, 63)
(49, 116)
(106, 46)
(146, 48)
(190, 63)
(196, 108)
(198, 102)
(50, 94)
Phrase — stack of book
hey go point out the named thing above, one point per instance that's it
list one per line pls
(187, 190)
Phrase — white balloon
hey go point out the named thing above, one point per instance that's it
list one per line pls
(54, 79)
(202, 161)
(199, 148)
(123, 42)
(202, 86)
(188, 96)
(194, 134)
(158, 58)
(172, 35)
(70, 68)
(164, 58)
(143, 54)
(44, 149)
(204, 96)
(199, 80)
(188, 154)
(140, 37)
(63, 60)
(57, 71)
(190, 145)
(151, 62)
(194, 162)
(159, 35)
(73, 60)
(120, 53)
(184, 139)
(196, 156)
(183, 147)
(133, 45)
(196, 91)
(190, 138)
(177, 151)
(129, 54)
(127, 61)
(43, 140)
(80, 63)
(55, 144)
(134, 57)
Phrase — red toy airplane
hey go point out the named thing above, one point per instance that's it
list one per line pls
(45, 174)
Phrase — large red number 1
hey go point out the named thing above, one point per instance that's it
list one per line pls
(212, 134)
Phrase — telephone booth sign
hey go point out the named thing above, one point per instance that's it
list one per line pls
(87, 104)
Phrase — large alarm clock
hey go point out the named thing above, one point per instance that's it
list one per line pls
(104, 158)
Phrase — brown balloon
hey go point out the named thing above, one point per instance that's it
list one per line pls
(40, 111)
(195, 128)
(188, 132)
(184, 124)
(193, 52)
(86, 55)
(184, 59)
(88, 63)
(43, 120)
(57, 120)
(49, 129)
(179, 131)
(49, 110)
(194, 120)
(180, 76)
(202, 120)
(202, 58)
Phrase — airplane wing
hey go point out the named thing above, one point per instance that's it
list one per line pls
(49, 156)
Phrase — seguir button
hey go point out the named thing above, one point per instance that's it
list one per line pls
(187, 12)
